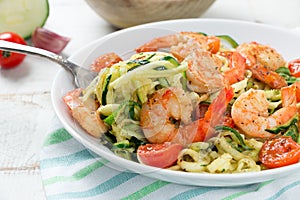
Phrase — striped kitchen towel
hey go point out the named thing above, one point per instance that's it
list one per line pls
(70, 171)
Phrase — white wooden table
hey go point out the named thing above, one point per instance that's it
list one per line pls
(25, 105)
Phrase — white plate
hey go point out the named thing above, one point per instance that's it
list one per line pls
(285, 41)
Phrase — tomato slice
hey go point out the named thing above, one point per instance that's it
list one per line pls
(294, 67)
(159, 155)
(279, 152)
(11, 59)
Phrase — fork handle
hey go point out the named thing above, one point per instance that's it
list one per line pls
(24, 49)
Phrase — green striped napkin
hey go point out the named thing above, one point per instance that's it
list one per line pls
(70, 171)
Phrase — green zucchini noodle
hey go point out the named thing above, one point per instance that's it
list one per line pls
(125, 89)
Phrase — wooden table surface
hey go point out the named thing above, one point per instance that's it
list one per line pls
(25, 104)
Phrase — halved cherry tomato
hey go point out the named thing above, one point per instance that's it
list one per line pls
(159, 155)
(279, 152)
(294, 67)
(10, 59)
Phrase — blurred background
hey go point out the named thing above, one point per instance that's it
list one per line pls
(275, 12)
(124, 13)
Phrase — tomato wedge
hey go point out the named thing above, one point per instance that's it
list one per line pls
(10, 59)
(159, 155)
(279, 152)
(294, 67)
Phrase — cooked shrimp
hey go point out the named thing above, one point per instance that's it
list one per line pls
(196, 49)
(263, 60)
(167, 117)
(263, 54)
(203, 128)
(297, 84)
(250, 112)
(215, 115)
(209, 43)
(237, 66)
(202, 74)
(267, 76)
(160, 42)
(164, 113)
(199, 51)
(85, 113)
(105, 60)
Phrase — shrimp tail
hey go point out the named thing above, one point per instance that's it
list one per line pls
(237, 65)
(214, 115)
(85, 115)
(271, 78)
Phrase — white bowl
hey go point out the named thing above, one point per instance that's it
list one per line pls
(133, 37)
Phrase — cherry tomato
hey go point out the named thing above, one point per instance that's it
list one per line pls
(294, 67)
(11, 59)
(159, 155)
(279, 152)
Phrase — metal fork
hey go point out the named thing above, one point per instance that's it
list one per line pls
(82, 76)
